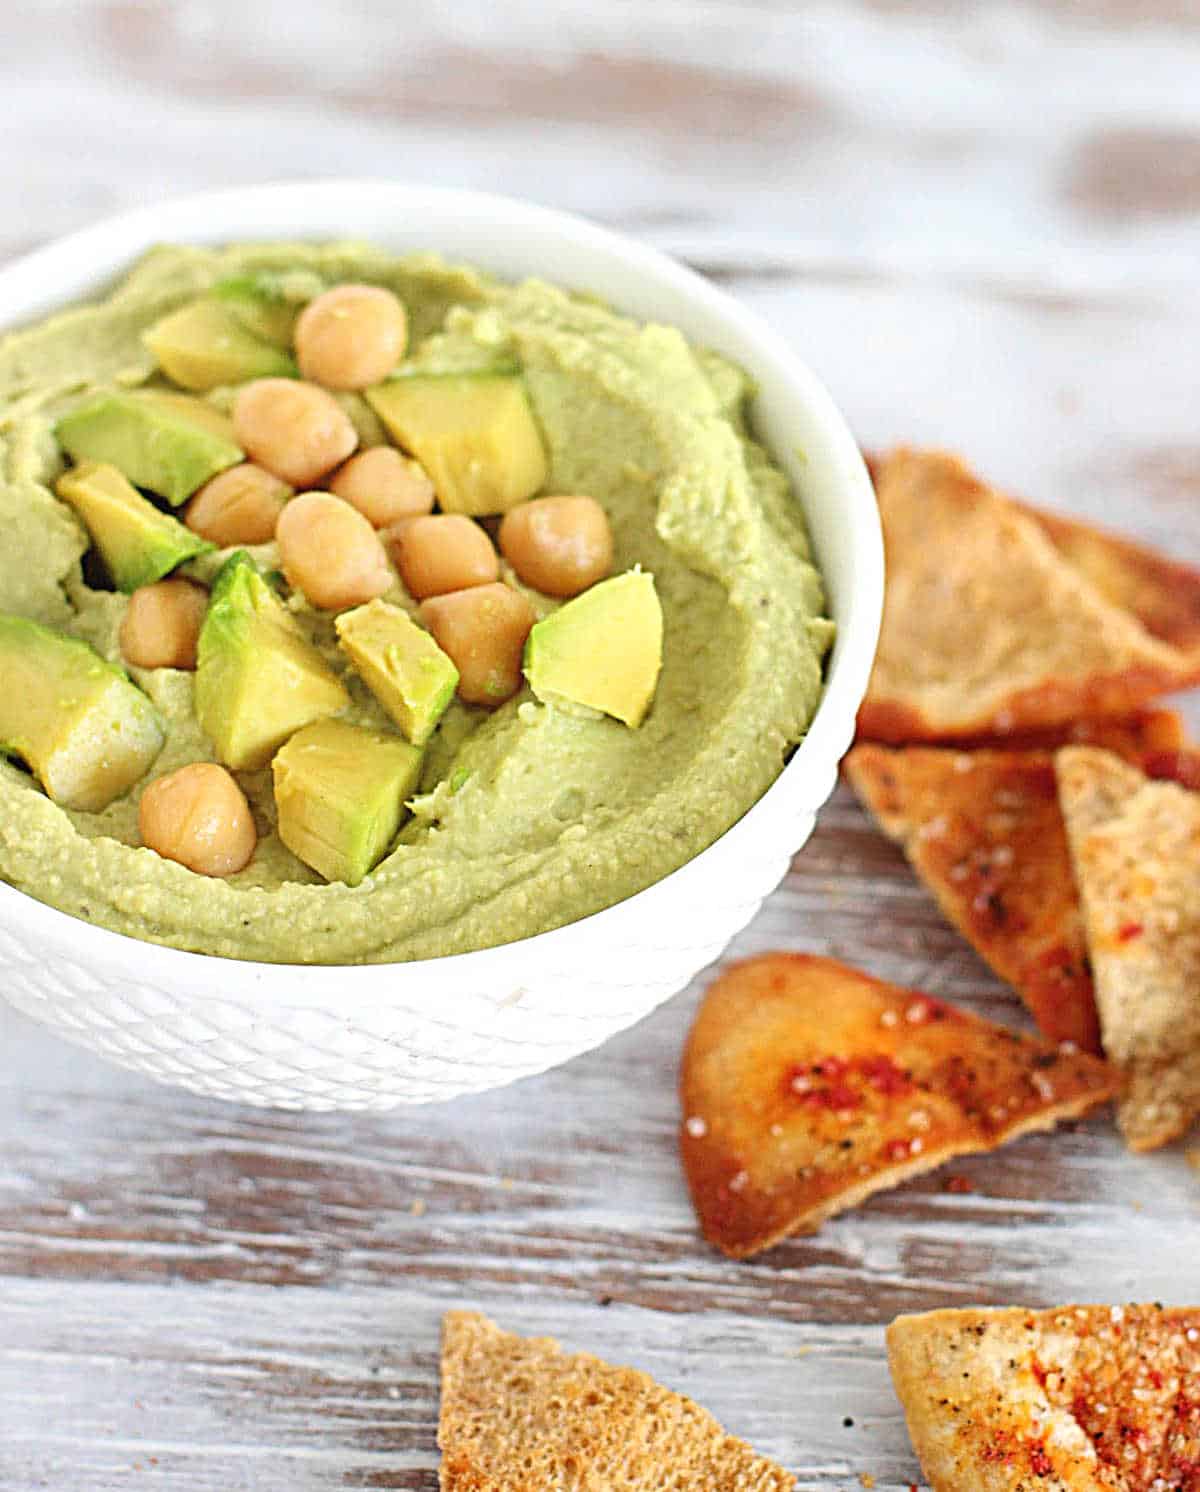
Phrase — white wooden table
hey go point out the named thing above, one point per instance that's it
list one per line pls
(981, 224)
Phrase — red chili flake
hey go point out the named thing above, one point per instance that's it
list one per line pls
(1039, 1462)
(1038, 1372)
(1156, 1378)
(882, 1073)
(959, 1184)
(1128, 931)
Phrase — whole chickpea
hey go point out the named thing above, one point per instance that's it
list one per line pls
(238, 506)
(351, 337)
(483, 629)
(558, 545)
(296, 430)
(161, 624)
(442, 552)
(330, 552)
(384, 485)
(199, 817)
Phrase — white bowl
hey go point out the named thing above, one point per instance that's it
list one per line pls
(369, 1037)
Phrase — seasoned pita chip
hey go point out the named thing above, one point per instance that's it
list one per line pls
(1163, 594)
(806, 1086)
(1145, 733)
(1135, 845)
(1078, 1399)
(520, 1415)
(986, 627)
(984, 832)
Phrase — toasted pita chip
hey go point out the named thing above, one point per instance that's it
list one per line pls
(984, 832)
(986, 628)
(1078, 1399)
(806, 1086)
(520, 1415)
(1163, 594)
(1151, 732)
(1135, 845)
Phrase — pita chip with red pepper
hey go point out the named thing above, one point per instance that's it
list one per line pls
(1076, 1399)
(807, 1086)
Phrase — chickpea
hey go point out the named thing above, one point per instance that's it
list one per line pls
(162, 623)
(199, 817)
(443, 552)
(238, 506)
(330, 552)
(351, 337)
(296, 430)
(483, 629)
(384, 486)
(558, 545)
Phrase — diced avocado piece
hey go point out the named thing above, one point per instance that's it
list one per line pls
(257, 679)
(137, 542)
(204, 345)
(168, 443)
(603, 649)
(84, 730)
(474, 433)
(401, 664)
(340, 791)
(268, 303)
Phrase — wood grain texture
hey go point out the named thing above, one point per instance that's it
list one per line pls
(970, 252)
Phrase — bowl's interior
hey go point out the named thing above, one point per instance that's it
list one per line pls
(792, 413)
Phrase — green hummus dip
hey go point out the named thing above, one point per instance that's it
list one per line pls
(531, 816)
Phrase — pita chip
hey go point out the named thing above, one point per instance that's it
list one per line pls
(1135, 845)
(1078, 1399)
(984, 832)
(807, 1086)
(1163, 594)
(521, 1415)
(987, 629)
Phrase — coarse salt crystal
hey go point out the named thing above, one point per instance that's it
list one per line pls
(963, 762)
(738, 1183)
(776, 1130)
(1045, 1088)
(1002, 855)
(919, 1119)
(959, 872)
(917, 1012)
(696, 1127)
(916, 1146)
(889, 1018)
(801, 1084)
(1117, 1314)
(1192, 1334)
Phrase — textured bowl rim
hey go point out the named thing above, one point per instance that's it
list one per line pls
(31, 287)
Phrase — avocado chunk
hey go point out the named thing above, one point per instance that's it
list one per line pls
(603, 649)
(82, 728)
(257, 679)
(204, 345)
(340, 791)
(137, 542)
(168, 443)
(401, 664)
(474, 433)
(268, 302)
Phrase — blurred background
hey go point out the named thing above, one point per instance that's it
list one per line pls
(979, 221)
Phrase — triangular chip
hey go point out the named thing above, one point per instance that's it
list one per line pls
(806, 1086)
(1163, 594)
(521, 1415)
(986, 628)
(1078, 1399)
(1135, 845)
(984, 832)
